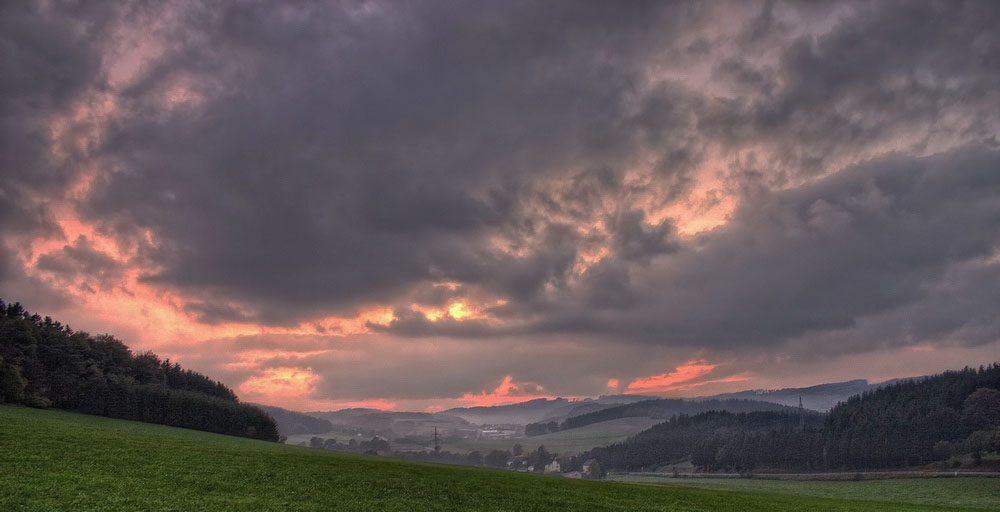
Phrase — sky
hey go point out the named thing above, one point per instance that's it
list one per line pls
(428, 204)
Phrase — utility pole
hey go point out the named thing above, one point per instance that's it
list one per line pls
(437, 441)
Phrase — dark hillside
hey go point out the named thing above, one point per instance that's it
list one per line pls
(668, 408)
(682, 436)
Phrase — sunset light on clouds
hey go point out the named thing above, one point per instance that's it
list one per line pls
(359, 204)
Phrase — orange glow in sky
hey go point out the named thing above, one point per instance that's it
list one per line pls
(275, 382)
(670, 381)
(506, 393)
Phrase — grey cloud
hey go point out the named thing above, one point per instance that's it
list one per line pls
(34, 293)
(817, 258)
(894, 234)
(49, 57)
(81, 259)
(341, 159)
(636, 240)
(921, 72)
(48, 60)
(215, 312)
(608, 285)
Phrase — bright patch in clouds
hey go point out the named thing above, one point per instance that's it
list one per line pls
(279, 382)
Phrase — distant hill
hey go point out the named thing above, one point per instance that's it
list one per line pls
(667, 408)
(291, 423)
(540, 409)
(391, 424)
(822, 397)
(46, 364)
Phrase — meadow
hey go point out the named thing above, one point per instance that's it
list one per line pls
(971, 492)
(56, 460)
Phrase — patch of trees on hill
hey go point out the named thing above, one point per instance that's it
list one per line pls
(46, 364)
(656, 408)
(291, 423)
(905, 424)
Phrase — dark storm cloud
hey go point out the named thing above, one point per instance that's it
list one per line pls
(296, 162)
(342, 155)
(46, 61)
(49, 57)
(17, 286)
(895, 234)
(917, 74)
(891, 233)
(636, 240)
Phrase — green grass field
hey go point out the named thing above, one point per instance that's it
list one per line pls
(971, 492)
(54, 460)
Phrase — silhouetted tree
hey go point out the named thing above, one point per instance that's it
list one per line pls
(474, 458)
(497, 458)
(517, 449)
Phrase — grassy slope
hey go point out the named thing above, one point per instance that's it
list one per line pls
(54, 460)
(973, 492)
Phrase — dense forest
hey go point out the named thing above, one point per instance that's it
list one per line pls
(46, 364)
(899, 425)
(905, 424)
(685, 435)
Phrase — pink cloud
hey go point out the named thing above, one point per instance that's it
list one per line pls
(671, 381)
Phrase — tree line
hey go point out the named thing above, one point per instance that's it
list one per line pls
(46, 364)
